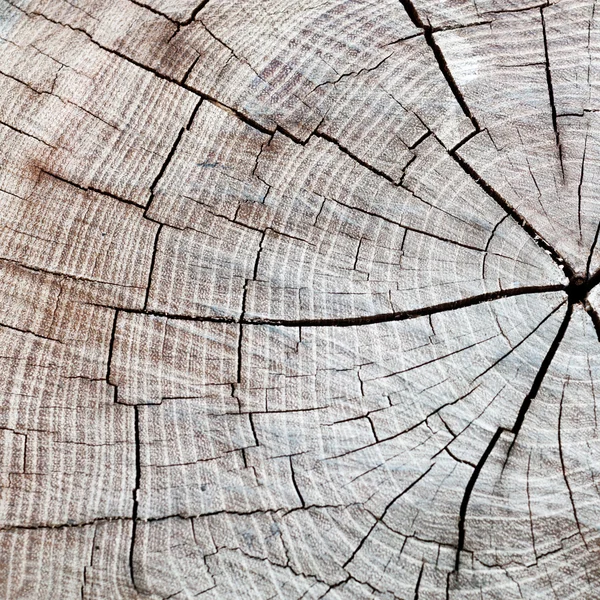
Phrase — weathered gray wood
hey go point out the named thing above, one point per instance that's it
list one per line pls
(298, 299)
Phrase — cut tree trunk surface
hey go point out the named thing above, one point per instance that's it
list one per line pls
(297, 299)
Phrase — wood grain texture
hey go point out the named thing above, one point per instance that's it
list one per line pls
(298, 299)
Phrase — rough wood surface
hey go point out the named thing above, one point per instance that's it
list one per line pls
(297, 299)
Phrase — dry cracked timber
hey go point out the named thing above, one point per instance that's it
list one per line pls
(298, 299)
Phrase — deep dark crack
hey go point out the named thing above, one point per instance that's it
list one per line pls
(579, 287)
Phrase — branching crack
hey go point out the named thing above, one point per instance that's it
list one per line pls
(504, 204)
(177, 23)
(382, 516)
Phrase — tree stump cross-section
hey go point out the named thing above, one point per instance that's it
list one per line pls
(299, 299)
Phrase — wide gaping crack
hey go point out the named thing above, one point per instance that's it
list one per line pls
(577, 290)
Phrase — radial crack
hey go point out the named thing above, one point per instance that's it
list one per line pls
(551, 93)
(134, 512)
(428, 31)
(535, 387)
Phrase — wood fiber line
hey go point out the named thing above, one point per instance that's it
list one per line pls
(299, 299)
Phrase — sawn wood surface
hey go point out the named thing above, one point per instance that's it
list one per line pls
(297, 299)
